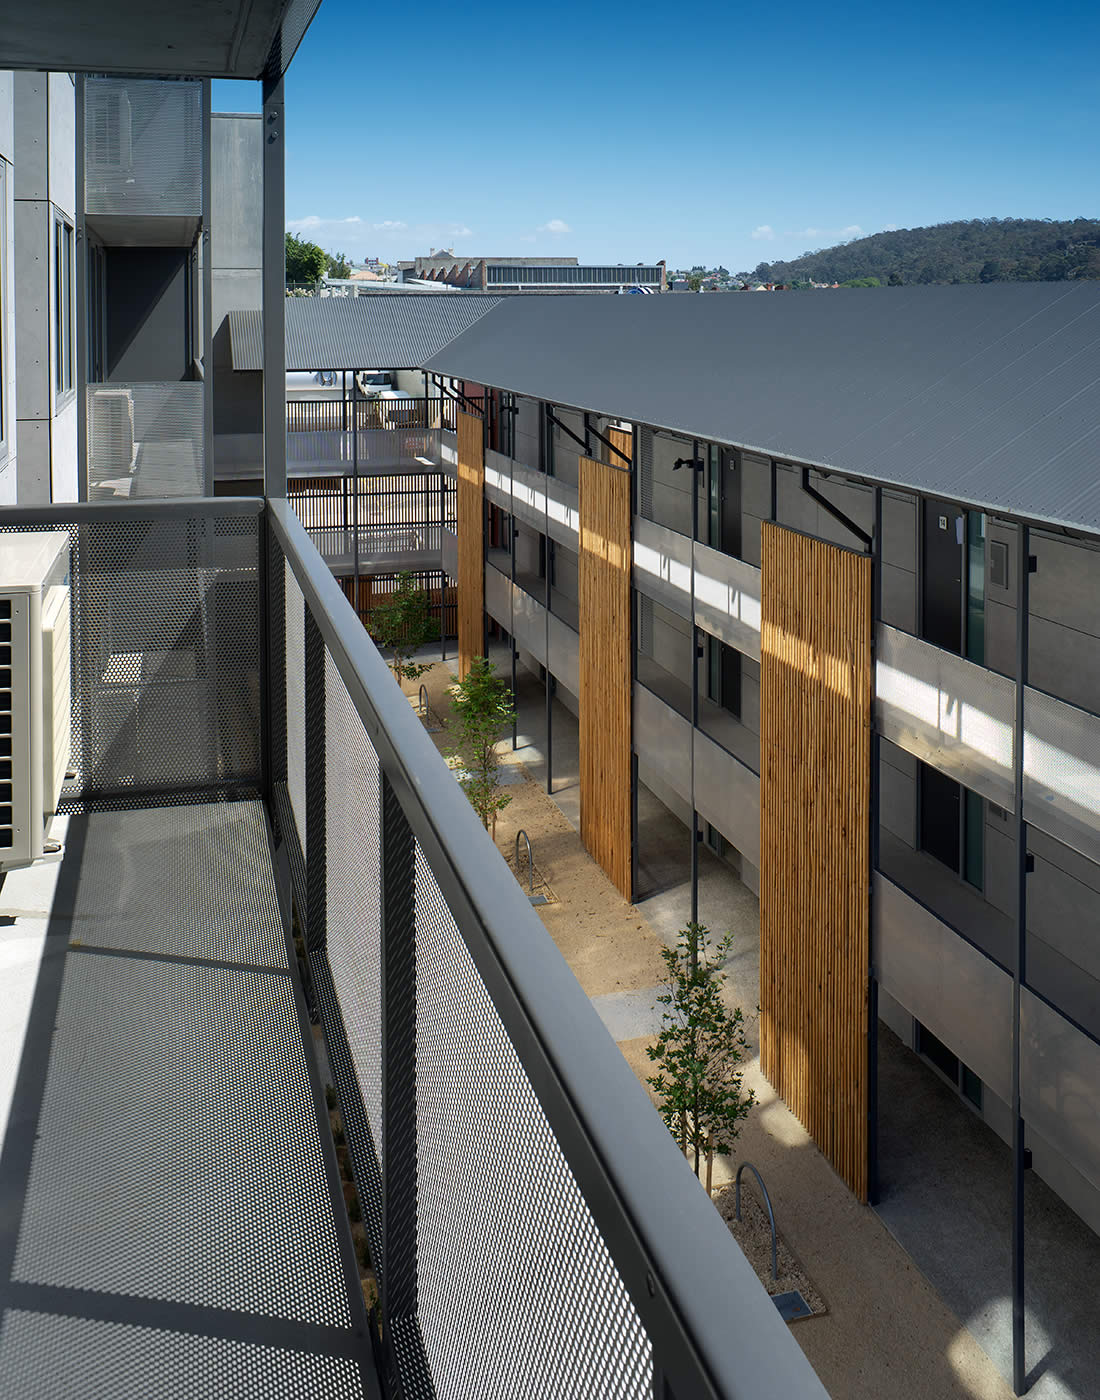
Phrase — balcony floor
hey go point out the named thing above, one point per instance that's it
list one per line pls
(171, 1219)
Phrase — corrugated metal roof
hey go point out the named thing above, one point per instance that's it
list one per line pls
(988, 395)
(375, 332)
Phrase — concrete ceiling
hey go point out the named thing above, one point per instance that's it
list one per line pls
(192, 38)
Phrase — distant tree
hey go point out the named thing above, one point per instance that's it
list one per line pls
(482, 709)
(695, 282)
(699, 1088)
(895, 280)
(991, 271)
(404, 624)
(862, 282)
(338, 265)
(763, 272)
(305, 262)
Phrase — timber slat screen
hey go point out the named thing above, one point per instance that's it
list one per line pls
(329, 415)
(605, 680)
(471, 530)
(815, 772)
(378, 588)
(398, 514)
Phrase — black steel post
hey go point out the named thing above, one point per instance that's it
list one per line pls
(355, 489)
(694, 633)
(399, 1105)
(1019, 1156)
(548, 555)
(512, 596)
(872, 987)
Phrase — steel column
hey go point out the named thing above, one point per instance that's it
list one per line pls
(274, 290)
(694, 634)
(207, 294)
(83, 320)
(1019, 1152)
(872, 987)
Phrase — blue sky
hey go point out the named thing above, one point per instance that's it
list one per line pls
(631, 132)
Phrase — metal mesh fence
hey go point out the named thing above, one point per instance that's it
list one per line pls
(1062, 771)
(145, 440)
(353, 922)
(142, 147)
(165, 656)
(950, 712)
(296, 703)
(501, 1221)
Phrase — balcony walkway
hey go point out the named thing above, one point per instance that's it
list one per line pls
(171, 1220)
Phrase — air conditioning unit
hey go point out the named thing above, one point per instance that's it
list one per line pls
(34, 689)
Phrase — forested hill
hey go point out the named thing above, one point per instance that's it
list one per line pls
(973, 250)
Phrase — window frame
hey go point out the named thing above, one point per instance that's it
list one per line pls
(64, 310)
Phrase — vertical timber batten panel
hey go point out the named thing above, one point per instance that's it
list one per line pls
(815, 775)
(470, 526)
(605, 640)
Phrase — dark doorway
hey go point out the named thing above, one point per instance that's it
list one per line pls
(942, 575)
(940, 814)
(724, 501)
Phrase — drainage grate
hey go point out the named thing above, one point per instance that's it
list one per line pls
(792, 1306)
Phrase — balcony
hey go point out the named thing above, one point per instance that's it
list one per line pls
(246, 771)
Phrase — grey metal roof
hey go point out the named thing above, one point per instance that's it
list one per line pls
(375, 332)
(203, 38)
(988, 395)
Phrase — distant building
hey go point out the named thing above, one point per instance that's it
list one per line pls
(522, 274)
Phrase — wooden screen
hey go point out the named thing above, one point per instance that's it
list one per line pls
(605, 730)
(471, 549)
(815, 775)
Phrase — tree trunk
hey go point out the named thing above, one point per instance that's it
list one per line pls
(683, 1131)
(710, 1162)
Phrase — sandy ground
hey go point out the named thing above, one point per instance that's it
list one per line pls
(887, 1334)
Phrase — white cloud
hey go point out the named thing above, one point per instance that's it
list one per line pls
(764, 231)
(390, 226)
(460, 231)
(889, 228)
(314, 221)
(554, 226)
(832, 235)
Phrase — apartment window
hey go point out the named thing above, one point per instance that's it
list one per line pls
(975, 586)
(64, 316)
(951, 825)
(965, 1081)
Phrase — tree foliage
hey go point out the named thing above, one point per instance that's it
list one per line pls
(974, 250)
(404, 624)
(338, 265)
(305, 262)
(482, 708)
(701, 1044)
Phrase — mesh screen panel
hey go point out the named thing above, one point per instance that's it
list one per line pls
(502, 1224)
(143, 147)
(1062, 771)
(47, 1357)
(165, 657)
(145, 440)
(950, 712)
(296, 703)
(353, 915)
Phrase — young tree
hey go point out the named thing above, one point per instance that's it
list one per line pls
(404, 624)
(483, 708)
(305, 261)
(699, 1050)
(338, 265)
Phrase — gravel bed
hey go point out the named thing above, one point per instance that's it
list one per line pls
(753, 1233)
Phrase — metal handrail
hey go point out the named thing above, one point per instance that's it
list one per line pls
(715, 1334)
(530, 860)
(422, 699)
(767, 1202)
